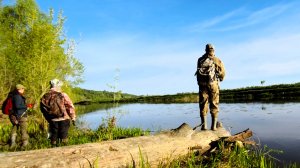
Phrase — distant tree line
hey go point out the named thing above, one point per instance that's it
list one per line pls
(85, 96)
(177, 98)
(281, 92)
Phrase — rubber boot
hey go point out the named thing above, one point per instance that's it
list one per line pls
(64, 141)
(203, 122)
(13, 140)
(53, 143)
(24, 143)
(214, 123)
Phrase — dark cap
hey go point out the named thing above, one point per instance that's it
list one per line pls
(209, 47)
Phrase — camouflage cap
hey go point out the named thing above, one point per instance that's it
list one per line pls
(209, 47)
(19, 86)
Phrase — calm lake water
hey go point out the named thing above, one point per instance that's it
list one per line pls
(275, 124)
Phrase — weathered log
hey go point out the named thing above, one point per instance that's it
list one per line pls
(118, 153)
(240, 139)
(241, 136)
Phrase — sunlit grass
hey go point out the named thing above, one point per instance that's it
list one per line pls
(38, 132)
(258, 157)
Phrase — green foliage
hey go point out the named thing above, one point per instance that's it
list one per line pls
(85, 96)
(34, 50)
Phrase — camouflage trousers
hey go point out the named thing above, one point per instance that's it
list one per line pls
(209, 97)
(22, 126)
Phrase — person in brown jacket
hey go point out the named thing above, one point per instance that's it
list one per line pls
(59, 122)
(210, 71)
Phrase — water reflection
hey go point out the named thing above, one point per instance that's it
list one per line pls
(276, 125)
(81, 109)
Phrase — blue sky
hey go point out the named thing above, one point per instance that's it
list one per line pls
(155, 44)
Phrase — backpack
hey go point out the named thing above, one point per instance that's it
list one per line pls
(207, 70)
(52, 105)
(7, 106)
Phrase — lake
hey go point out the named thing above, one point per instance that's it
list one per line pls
(275, 124)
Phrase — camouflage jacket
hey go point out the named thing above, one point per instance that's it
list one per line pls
(69, 113)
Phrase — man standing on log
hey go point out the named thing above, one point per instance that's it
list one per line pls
(210, 70)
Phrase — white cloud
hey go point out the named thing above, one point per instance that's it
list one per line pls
(240, 18)
(214, 21)
(256, 17)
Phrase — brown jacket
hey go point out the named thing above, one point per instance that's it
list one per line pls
(65, 106)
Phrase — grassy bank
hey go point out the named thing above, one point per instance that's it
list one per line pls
(238, 157)
(38, 131)
(222, 157)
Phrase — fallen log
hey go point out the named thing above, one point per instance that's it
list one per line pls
(241, 136)
(227, 143)
(118, 153)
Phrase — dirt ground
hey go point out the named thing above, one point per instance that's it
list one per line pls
(116, 153)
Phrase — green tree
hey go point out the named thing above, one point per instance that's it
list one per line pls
(34, 50)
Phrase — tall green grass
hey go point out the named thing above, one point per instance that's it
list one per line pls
(225, 156)
(237, 157)
(38, 131)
